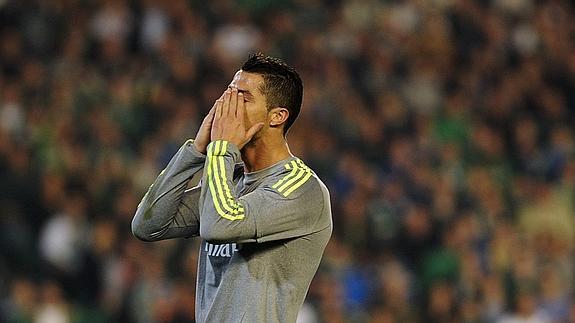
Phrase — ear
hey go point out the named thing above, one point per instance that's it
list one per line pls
(278, 116)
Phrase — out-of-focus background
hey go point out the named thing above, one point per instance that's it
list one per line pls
(443, 129)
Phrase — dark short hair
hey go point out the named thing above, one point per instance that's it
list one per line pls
(282, 85)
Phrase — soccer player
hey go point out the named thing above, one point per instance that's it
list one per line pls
(263, 216)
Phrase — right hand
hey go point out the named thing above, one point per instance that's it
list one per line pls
(203, 136)
(228, 123)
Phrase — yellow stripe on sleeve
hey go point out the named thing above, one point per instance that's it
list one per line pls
(299, 175)
(299, 183)
(211, 182)
(220, 194)
(228, 195)
(215, 183)
(293, 172)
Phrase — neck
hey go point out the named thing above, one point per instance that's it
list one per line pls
(264, 152)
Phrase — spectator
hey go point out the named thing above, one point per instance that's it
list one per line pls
(442, 128)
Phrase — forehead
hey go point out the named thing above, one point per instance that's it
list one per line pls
(245, 81)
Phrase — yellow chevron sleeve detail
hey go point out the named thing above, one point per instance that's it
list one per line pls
(216, 177)
(300, 174)
(214, 182)
(288, 176)
(305, 172)
(228, 195)
(298, 184)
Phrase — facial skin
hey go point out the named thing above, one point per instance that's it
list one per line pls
(258, 133)
(255, 102)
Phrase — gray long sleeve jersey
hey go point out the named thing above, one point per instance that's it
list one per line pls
(263, 233)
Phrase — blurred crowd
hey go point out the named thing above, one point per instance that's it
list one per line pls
(443, 129)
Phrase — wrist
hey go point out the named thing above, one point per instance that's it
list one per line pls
(226, 139)
(193, 146)
(198, 148)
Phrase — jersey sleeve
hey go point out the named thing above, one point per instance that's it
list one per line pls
(168, 209)
(267, 213)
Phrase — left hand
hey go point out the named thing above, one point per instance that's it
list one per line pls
(229, 119)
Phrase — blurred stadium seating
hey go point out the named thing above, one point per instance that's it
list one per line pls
(444, 130)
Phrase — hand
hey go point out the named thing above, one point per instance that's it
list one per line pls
(203, 136)
(228, 121)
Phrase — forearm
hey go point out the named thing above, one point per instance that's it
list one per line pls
(223, 216)
(168, 210)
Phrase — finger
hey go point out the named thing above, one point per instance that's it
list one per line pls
(254, 129)
(214, 129)
(233, 102)
(209, 119)
(240, 108)
(211, 113)
(218, 108)
(220, 98)
(226, 105)
(216, 102)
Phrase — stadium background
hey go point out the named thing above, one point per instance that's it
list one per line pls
(443, 128)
